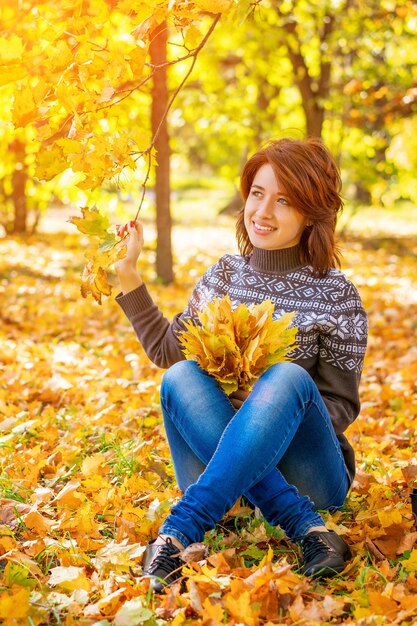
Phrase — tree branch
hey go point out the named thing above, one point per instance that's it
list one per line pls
(191, 55)
(301, 73)
(325, 65)
(194, 54)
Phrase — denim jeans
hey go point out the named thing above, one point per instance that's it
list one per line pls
(279, 450)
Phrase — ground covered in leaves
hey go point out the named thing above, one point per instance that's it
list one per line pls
(86, 474)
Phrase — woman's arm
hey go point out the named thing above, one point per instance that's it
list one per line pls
(156, 334)
(341, 353)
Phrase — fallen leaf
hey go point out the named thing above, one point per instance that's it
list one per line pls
(69, 578)
(194, 552)
(133, 612)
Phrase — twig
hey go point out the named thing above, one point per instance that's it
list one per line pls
(148, 172)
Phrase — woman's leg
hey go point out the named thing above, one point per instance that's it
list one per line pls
(187, 465)
(300, 465)
(317, 469)
(196, 411)
(255, 439)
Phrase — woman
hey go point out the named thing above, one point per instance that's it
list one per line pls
(282, 445)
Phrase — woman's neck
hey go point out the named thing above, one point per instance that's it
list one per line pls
(283, 260)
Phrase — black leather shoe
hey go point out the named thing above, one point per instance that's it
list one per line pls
(324, 554)
(162, 564)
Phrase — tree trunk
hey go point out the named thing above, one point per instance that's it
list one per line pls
(160, 97)
(236, 202)
(313, 91)
(18, 195)
(314, 119)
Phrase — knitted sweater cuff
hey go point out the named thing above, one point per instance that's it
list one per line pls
(135, 301)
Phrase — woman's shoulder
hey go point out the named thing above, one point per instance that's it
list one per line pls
(334, 277)
(341, 279)
(337, 286)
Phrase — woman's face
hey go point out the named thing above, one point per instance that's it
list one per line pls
(270, 220)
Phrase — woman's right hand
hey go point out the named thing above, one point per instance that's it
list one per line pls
(134, 242)
(126, 268)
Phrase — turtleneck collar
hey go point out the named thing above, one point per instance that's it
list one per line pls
(277, 261)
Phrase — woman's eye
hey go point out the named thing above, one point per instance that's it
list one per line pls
(257, 194)
(282, 201)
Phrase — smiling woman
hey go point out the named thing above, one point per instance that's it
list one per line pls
(303, 176)
(281, 445)
(271, 221)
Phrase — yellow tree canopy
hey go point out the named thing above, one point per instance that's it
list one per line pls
(66, 68)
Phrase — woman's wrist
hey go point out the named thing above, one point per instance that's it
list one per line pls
(128, 276)
(124, 266)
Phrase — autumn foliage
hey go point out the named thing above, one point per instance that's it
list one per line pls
(87, 476)
(105, 249)
(88, 58)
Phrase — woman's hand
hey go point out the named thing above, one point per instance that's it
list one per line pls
(238, 397)
(126, 267)
(134, 240)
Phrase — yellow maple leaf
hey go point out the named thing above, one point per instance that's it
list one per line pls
(12, 73)
(101, 258)
(410, 564)
(91, 222)
(91, 464)
(387, 518)
(213, 611)
(69, 578)
(236, 347)
(49, 163)
(240, 608)
(11, 49)
(94, 281)
(14, 605)
(38, 523)
(214, 6)
(94, 276)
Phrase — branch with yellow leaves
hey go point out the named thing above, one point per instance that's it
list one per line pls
(193, 55)
(111, 248)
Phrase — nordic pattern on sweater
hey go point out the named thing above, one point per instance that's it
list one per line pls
(331, 321)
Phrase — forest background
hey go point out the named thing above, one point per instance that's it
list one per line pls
(94, 95)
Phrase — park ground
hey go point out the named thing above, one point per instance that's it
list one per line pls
(86, 474)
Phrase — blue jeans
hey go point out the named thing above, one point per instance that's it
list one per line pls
(279, 450)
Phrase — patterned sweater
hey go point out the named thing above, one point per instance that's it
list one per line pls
(330, 317)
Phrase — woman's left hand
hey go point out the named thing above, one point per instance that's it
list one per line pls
(238, 397)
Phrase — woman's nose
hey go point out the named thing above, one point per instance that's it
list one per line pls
(266, 208)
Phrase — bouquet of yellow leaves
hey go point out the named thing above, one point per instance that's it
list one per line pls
(236, 347)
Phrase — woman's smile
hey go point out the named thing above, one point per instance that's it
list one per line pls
(271, 221)
(263, 227)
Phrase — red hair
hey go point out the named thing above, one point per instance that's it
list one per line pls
(311, 179)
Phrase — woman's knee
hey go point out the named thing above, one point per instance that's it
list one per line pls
(177, 377)
(326, 494)
(288, 376)
(179, 370)
(287, 370)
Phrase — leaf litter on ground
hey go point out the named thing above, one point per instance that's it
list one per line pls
(87, 477)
